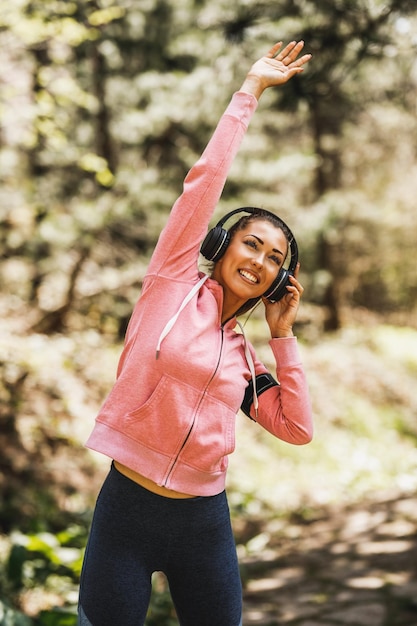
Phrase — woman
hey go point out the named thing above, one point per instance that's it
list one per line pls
(168, 423)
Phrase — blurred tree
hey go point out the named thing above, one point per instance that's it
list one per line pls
(341, 35)
(106, 105)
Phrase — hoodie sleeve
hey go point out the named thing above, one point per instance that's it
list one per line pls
(177, 250)
(284, 407)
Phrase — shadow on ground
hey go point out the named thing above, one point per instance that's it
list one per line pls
(355, 566)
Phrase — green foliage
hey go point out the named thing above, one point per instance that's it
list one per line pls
(161, 611)
(59, 212)
(33, 559)
(11, 617)
(360, 241)
(52, 563)
(107, 104)
(44, 563)
(57, 617)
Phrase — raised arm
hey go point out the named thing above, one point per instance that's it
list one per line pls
(178, 246)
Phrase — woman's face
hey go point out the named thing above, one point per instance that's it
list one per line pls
(251, 262)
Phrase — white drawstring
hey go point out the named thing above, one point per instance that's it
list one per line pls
(170, 324)
(251, 366)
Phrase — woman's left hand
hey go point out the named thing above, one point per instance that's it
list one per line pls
(281, 315)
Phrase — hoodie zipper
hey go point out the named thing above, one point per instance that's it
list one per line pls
(190, 430)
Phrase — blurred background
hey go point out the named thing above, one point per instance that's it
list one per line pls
(104, 106)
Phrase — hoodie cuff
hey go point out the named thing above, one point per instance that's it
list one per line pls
(242, 106)
(285, 351)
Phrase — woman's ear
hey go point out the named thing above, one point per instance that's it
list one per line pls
(217, 265)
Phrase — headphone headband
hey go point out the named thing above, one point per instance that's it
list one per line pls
(252, 210)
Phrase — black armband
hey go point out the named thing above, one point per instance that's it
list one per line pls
(263, 383)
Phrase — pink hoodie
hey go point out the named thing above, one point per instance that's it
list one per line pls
(172, 418)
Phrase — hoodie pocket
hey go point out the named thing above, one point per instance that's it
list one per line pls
(164, 421)
(212, 437)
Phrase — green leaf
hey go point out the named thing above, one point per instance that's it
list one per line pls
(57, 617)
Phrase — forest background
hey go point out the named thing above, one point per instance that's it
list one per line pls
(104, 107)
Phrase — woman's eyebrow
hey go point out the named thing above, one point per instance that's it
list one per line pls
(262, 243)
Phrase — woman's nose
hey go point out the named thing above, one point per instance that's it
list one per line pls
(258, 260)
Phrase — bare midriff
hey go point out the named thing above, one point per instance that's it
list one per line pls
(148, 484)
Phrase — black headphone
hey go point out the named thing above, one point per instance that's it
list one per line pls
(217, 239)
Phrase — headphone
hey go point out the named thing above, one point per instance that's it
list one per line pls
(218, 238)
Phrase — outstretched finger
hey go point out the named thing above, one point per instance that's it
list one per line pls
(301, 61)
(290, 52)
(274, 50)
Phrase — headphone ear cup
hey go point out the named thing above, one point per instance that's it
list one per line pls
(215, 243)
(278, 289)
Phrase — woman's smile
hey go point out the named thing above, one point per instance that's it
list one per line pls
(249, 276)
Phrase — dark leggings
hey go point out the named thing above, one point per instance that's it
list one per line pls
(135, 533)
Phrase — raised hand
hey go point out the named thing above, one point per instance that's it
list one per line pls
(275, 68)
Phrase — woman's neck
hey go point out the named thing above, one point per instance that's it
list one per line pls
(230, 307)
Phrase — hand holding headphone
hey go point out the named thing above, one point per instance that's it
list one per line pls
(218, 238)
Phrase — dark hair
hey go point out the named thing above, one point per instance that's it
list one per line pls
(241, 224)
(264, 216)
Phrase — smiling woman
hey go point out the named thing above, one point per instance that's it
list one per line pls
(169, 422)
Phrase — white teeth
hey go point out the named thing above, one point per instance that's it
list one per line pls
(249, 276)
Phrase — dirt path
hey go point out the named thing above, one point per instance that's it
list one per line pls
(352, 567)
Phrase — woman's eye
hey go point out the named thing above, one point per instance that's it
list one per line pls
(252, 243)
(276, 260)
